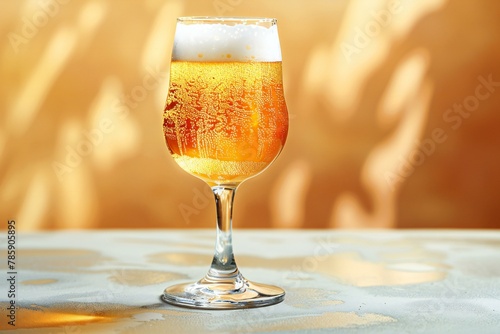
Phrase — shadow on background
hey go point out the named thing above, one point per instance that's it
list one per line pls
(392, 106)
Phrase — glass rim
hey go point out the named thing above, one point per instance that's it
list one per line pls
(227, 20)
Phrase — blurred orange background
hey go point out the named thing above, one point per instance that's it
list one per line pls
(393, 116)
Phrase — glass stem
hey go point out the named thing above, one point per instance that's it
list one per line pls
(223, 264)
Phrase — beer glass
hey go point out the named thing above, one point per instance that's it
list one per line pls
(225, 121)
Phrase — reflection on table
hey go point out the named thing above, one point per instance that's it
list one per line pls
(390, 281)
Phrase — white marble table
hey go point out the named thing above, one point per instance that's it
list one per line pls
(351, 282)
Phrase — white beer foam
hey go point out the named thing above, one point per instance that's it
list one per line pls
(221, 42)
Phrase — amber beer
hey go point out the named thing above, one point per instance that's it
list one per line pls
(225, 121)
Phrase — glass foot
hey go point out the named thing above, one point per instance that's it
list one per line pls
(236, 293)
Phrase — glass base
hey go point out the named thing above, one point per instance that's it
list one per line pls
(236, 293)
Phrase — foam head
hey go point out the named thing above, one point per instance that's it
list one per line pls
(223, 39)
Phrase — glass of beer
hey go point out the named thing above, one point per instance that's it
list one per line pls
(225, 121)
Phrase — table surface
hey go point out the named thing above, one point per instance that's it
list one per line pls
(352, 281)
